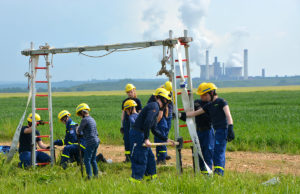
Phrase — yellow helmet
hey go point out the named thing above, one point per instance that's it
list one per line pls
(82, 106)
(63, 113)
(37, 117)
(129, 87)
(204, 87)
(163, 93)
(129, 103)
(168, 86)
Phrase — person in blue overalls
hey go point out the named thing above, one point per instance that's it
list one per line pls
(130, 90)
(25, 144)
(222, 122)
(142, 158)
(162, 127)
(205, 132)
(71, 151)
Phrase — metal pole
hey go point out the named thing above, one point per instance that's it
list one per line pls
(176, 123)
(191, 97)
(35, 60)
(50, 111)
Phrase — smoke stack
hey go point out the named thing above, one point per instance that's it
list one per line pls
(245, 64)
(207, 66)
(263, 73)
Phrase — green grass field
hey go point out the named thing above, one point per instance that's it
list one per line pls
(265, 121)
(114, 179)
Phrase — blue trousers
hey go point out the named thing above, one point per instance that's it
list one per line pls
(207, 143)
(126, 127)
(142, 158)
(161, 151)
(70, 153)
(25, 158)
(219, 150)
(90, 159)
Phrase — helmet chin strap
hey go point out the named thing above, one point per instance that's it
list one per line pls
(212, 94)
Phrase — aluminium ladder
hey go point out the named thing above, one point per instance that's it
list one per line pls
(34, 69)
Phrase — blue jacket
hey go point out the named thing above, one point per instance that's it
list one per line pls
(71, 137)
(147, 120)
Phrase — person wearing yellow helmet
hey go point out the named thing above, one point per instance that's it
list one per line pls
(25, 144)
(142, 158)
(162, 126)
(71, 150)
(130, 90)
(88, 128)
(221, 119)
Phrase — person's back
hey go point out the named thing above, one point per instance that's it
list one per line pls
(89, 129)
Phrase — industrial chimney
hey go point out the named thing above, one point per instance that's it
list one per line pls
(207, 66)
(245, 64)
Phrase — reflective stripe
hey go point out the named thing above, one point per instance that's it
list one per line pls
(163, 151)
(133, 180)
(63, 142)
(82, 146)
(204, 172)
(127, 152)
(63, 155)
(220, 167)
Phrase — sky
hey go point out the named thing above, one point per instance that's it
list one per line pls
(269, 29)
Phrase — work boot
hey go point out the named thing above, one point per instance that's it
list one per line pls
(64, 165)
(127, 159)
(168, 157)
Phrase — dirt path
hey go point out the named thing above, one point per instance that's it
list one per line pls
(260, 163)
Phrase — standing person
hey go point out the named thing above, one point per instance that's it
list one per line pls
(130, 90)
(25, 144)
(71, 150)
(142, 158)
(90, 134)
(205, 131)
(222, 122)
(168, 87)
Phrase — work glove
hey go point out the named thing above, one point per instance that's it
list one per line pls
(122, 130)
(182, 116)
(230, 135)
(48, 147)
(41, 122)
(173, 115)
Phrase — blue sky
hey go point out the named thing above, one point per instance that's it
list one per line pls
(270, 29)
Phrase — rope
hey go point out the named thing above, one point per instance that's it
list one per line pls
(115, 50)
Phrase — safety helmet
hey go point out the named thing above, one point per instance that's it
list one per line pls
(163, 93)
(129, 103)
(168, 86)
(37, 117)
(63, 113)
(129, 87)
(82, 106)
(204, 87)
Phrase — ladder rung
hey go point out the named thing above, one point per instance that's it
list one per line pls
(42, 164)
(43, 150)
(188, 141)
(181, 109)
(183, 76)
(40, 136)
(41, 81)
(40, 67)
(41, 95)
(185, 125)
(41, 109)
(182, 60)
(179, 93)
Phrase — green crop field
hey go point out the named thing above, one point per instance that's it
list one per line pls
(265, 120)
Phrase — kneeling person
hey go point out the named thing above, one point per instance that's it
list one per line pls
(71, 149)
(25, 144)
